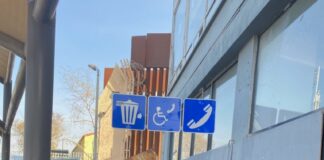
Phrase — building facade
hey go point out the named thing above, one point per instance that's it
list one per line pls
(84, 148)
(153, 53)
(145, 74)
(112, 143)
(262, 61)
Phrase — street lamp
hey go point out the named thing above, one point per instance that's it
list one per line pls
(94, 67)
(100, 116)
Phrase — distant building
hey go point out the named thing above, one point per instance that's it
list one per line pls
(153, 53)
(146, 75)
(111, 142)
(84, 148)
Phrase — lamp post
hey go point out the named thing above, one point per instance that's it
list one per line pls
(100, 116)
(94, 67)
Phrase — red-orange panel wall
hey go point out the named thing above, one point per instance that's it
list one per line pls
(151, 51)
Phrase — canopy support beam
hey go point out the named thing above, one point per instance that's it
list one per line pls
(39, 87)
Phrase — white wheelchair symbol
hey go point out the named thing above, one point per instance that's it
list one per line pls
(159, 118)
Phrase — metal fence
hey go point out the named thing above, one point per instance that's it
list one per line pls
(59, 156)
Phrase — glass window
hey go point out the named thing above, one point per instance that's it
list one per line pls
(178, 36)
(202, 139)
(186, 140)
(175, 145)
(290, 64)
(210, 3)
(196, 19)
(212, 7)
(224, 92)
(200, 143)
(1, 98)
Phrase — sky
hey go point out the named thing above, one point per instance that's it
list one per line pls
(99, 32)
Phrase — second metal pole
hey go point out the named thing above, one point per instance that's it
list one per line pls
(95, 146)
(6, 135)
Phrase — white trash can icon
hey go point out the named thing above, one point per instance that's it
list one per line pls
(129, 111)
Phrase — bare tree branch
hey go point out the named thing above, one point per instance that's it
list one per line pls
(81, 96)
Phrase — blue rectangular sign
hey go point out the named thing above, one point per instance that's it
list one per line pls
(199, 116)
(164, 114)
(129, 111)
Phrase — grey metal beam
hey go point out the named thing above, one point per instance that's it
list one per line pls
(180, 145)
(192, 144)
(12, 44)
(6, 133)
(171, 143)
(39, 87)
(9, 68)
(2, 128)
(44, 10)
(16, 96)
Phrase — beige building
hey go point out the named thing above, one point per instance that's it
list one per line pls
(112, 142)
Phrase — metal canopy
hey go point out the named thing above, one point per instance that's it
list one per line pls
(13, 27)
(4, 61)
(13, 19)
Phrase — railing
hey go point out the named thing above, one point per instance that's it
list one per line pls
(58, 156)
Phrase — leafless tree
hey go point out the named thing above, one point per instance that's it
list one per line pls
(57, 131)
(80, 96)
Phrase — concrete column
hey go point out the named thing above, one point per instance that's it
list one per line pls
(242, 122)
(6, 135)
(39, 87)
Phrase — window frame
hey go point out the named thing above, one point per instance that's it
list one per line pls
(175, 67)
(188, 49)
(210, 85)
(201, 95)
(255, 75)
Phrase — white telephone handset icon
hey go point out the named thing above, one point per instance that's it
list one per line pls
(192, 124)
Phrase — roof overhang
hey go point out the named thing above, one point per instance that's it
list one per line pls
(13, 26)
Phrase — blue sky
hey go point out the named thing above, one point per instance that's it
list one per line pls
(99, 32)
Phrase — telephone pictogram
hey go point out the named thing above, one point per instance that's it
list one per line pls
(193, 125)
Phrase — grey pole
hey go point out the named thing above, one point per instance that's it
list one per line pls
(39, 87)
(95, 145)
(17, 94)
(6, 135)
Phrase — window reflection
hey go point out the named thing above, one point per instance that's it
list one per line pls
(186, 140)
(210, 3)
(212, 7)
(178, 35)
(175, 145)
(196, 19)
(290, 62)
(202, 139)
(200, 143)
(188, 27)
(224, 92)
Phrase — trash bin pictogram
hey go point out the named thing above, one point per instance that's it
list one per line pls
(129, 111)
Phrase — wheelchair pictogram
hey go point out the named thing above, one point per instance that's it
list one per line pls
(164, 114)
(159, 118)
